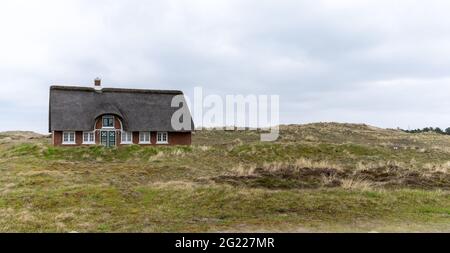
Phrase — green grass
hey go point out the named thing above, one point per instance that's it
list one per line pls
(210, 186)
(173, 208)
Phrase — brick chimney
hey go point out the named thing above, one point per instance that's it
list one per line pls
(98, 83)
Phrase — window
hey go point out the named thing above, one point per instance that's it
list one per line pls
(88, 138)
(161, 138)
(68, 138)
(144, 137)
(127, 137)
(108, 121)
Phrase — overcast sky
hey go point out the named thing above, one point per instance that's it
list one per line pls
(384, 63)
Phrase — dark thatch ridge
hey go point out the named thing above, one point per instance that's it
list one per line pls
(73, 108)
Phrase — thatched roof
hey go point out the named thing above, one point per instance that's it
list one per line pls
(76, 108)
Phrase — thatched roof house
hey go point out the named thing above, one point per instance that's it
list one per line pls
(113, 116)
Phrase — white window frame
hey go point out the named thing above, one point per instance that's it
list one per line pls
(158, 141)
(69, 142)
(126, 133)
(113, 120)
(89, 141)
(144, 141)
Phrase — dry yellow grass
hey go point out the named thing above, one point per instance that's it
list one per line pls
(357, 184)
(317, 177)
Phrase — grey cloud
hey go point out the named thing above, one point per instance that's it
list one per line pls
(326, 59)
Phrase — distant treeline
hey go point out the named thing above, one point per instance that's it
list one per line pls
(429, 129)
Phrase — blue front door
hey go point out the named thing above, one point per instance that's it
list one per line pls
(108, 138)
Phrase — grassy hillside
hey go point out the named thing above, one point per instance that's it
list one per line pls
(316, 177)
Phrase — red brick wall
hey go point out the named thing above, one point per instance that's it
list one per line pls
(135, 137)
(58, 138)
(79, 138)
(98, 125)
(175, 138)
(180, 138)
(153, 137)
